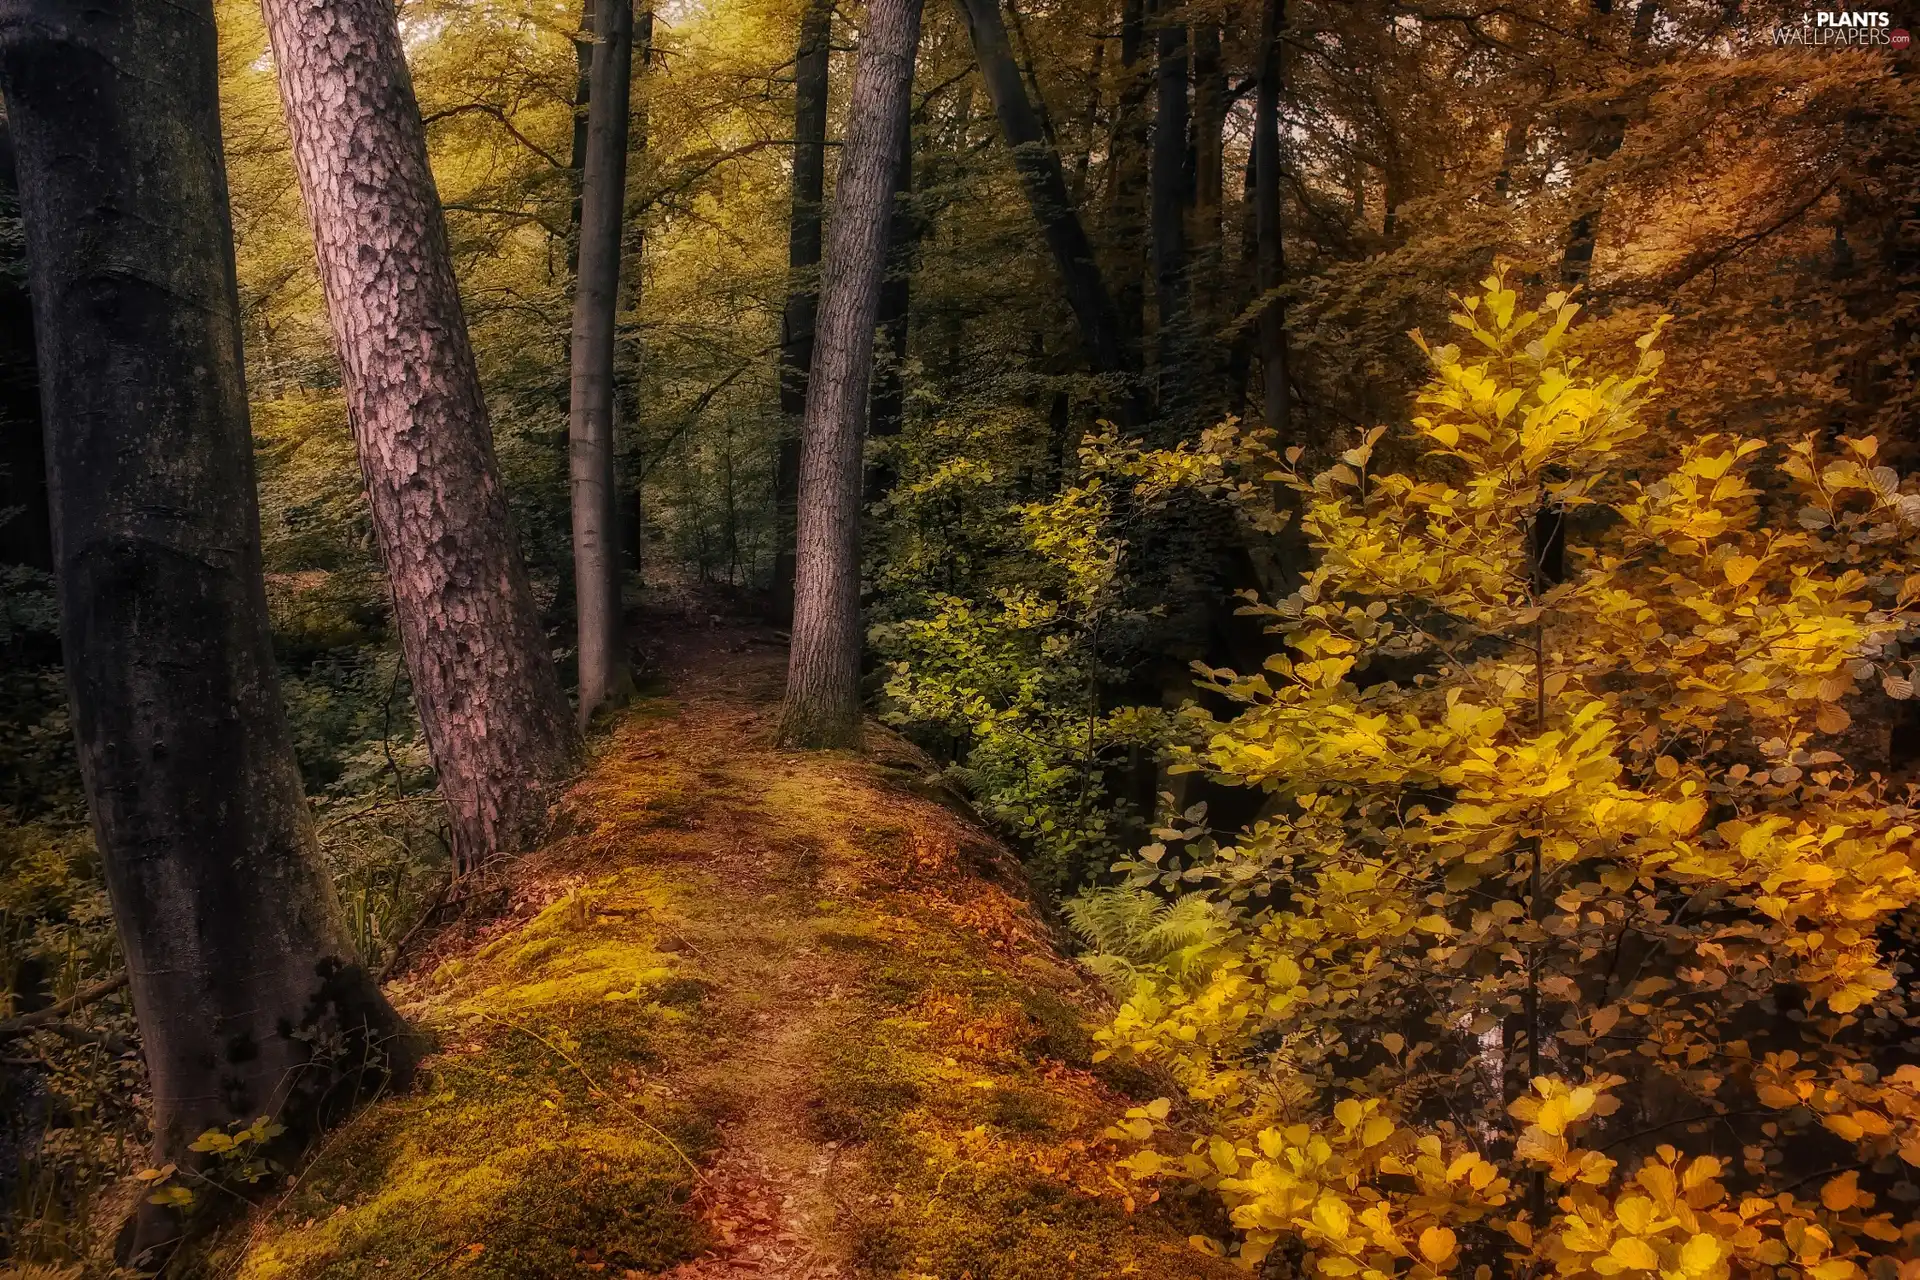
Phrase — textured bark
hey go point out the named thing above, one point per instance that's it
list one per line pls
(1169, 182)
(239, 966)
(495, 718)
(823, 672)
(26, 534)
(629, 465)
(1038, 165)
(803, 296)
(1272, 267)
(596, 538)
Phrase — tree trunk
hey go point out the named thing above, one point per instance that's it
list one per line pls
(240, 968)
(495, 717)
(629, 468)
(1128, 189)
(1038, 165)
(1604, 136)
(1272, 270)
(1169, 182)
(803, 285)
(823, 673)
(596, 537)
(1209, 165)
(26, 534)
(896, 300)
(582, 106)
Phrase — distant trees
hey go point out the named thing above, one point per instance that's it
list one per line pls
(25, 537)
(249, 997)
(496, 720)
(823, 675)
(596, 538)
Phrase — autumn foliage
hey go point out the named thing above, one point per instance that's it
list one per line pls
(1568, 938)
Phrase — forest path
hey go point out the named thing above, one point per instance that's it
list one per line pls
(791, 970)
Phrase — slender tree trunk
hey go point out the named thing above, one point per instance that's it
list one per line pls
(629, 464)
(803, 286)
(596, 537)
(1128, 192)
(582, 107)
(1169, 182)
(888, 415)
(240, 967)
(823, 673)
(1038, 165)
(1271, 249)
(1604, 136)
(26, 534)
(495, 717)
(1209, 163)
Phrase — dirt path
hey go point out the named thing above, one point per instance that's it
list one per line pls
(753, 1013)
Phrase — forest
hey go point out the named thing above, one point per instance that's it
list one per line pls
(959, 639)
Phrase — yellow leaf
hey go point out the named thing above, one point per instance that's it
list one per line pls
(1347, 1112)
(1437, 1244)
(1840, 1194)
(1738, 568)
(1844, 1126)
(1834, 1269)
(1630, 1251)
(1700, 1255)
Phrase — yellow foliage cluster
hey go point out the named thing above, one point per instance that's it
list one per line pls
(1562, 939)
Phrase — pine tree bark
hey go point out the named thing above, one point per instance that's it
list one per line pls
(1271, 261)
(596, 537)
(496, 720)
(1038, 165)
(889, 409)
(823, 673)
(803, 289)
(239, 965)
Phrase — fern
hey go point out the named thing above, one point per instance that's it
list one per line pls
(1133, 934)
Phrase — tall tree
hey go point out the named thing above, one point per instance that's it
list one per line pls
(889, 403)
(582, 107)
(823, 673)
(495, 717)
(1271, 268)
(1169, 183)
(249, 997)
(1038, 165)
(803, 287)
(1127, 178)
(596, 538)
(1599, 135)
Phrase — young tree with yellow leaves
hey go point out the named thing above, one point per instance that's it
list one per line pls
(1567, 938)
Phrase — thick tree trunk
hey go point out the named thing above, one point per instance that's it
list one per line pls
(596, 537)
(240, 969)
(1272, 270)
(1038, 165)
(823, 672)
(26, 536)
(490, 701)
(803, 286)
(1169, 182)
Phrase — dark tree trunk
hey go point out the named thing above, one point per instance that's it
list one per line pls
(1209, 166)
(239, 965)
(1169, 182)
(1272, 272)
(1604, 135)
(1128, 189)
(630, 462)
(596, 538)
(26, 536)
(888, 414)
(1038, 165)
(495, 717)
(582, 106)
(823, 673)
(803, 285)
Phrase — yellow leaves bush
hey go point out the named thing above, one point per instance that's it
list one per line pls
(1561, 937)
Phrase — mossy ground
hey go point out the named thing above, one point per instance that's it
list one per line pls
(823, 991)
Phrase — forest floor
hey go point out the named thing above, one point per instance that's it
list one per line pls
(752, 1013)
